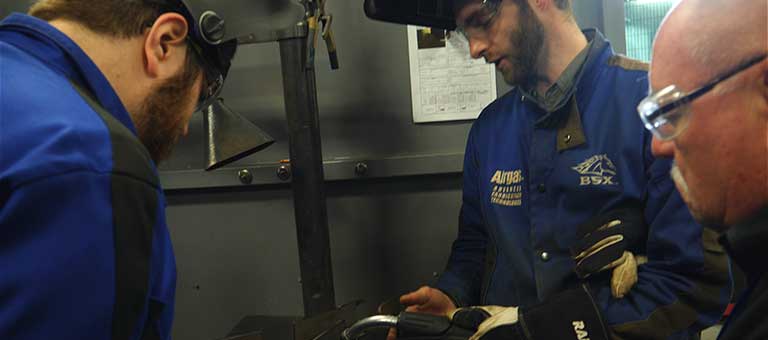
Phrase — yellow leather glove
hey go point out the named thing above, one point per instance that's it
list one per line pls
(603, 245)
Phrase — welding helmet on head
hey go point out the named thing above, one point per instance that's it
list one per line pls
(217, 26)
(430, 13)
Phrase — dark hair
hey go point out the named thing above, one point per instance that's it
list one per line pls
(118, 18)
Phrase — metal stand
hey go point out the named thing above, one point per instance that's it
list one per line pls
(322, 320)
(308, 180)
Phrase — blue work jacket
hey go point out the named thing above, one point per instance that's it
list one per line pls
(84, 249)
(531, 177)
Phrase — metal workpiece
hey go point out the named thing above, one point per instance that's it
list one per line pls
(308, 183)
(377, 321)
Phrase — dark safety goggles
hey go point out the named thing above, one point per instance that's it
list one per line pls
(213, 81)
(213, 57)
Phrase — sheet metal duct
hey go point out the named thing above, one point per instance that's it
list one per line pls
(230, 136)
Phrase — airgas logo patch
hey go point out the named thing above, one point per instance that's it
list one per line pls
(507, 188)
(597, 170)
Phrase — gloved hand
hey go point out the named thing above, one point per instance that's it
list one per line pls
(484, 319)
(425, 300)
(604, 243)
(571, 315)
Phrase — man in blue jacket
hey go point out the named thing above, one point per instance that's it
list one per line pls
(709, 110)
(92, 95)
(562, 196)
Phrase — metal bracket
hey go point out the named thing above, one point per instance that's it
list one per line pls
(297, 31)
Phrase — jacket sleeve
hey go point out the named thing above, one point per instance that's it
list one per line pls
(685, 285)
(65, 247)
(54, 261)
(463, 274)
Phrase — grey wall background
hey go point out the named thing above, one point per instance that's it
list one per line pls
(236, 246)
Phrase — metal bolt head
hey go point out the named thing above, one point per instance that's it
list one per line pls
(284, 173)
(245, 176)
(361, 169)
(212, 27)
(567, 139)
(545, 256)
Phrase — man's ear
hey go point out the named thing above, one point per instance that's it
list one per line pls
(763, 65)
(164, 45)
(540, 4)
(764, 72)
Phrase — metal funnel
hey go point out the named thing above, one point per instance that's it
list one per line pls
(230, 136)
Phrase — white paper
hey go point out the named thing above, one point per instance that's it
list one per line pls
(446, 83)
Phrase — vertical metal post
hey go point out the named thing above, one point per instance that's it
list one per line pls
(614, 24)
(308, 180)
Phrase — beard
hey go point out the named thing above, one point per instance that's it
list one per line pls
(528, 40)
(160, 121)
(697, 212)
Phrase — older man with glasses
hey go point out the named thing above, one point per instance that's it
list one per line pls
(709, 110)
(562, 197)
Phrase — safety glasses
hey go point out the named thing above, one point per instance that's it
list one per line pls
(480, 21)
(666, 113)
(213, 81)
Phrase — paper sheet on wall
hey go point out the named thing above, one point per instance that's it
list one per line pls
(446, 83)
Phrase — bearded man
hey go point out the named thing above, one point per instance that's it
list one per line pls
(570, 228)
(92, 95)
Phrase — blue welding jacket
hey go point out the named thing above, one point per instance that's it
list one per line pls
(84, 249)
(531, 177)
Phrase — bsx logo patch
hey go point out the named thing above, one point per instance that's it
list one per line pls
(597, 170)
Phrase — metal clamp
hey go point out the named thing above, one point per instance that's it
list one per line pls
(317, 16)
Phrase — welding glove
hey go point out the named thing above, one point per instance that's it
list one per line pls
(569, 315)
(604, 243)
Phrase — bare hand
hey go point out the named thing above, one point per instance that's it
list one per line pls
(425, 300)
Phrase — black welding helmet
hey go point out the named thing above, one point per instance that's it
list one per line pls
(216, 27)
(430, 13)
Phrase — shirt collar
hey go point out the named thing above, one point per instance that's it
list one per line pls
(564, 87)
(58, 51)
(747, 244)
(579, 74)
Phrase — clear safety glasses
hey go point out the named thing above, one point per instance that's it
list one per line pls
(666, 112)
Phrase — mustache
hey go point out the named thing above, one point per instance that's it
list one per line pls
(677, 176)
